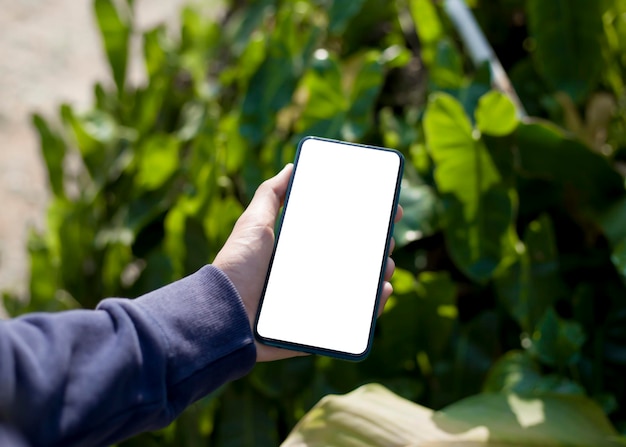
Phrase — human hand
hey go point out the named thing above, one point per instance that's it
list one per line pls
(246, 254)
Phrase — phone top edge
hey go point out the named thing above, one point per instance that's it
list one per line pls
(368, 146)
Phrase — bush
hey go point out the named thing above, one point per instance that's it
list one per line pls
(511, 256)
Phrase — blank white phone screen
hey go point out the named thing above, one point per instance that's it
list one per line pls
(326, 271)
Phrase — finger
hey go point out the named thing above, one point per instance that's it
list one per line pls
(399, 214)
(269, 196)
(392, 246)
(389, 269)
(384, 296)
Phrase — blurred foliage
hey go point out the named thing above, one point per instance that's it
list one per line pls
(511, 258)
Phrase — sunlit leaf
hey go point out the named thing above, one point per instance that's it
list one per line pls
(115, 32)
(159, 160)
(496, 114)
(373, 416)
(428, 27)
(282, 380)
(478, 209)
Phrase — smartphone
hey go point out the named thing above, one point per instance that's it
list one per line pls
(326, 273)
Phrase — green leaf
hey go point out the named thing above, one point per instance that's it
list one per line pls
(44, 274)
(528, 287)
(418, 309)
(117, 257)
(363, 93)
(517, 372)
(115, 30)
(220, 218)
(568, 37)
(496, 114)
(245, 419)
(585, 178)
(613, 222)
(341, 97)
(158, 161)
(155, 57)
(95, 134)
(282, 380)
(373, 416)
(340, 13)
(428, 27)
(245, 22)
(557, 342)
(272, 85)
(447, 67)
(398, 131)
(478, 208)
(197, 248)
(427, 22)
(463, 166)
(420, 214)
(326, 108)
(53, 150)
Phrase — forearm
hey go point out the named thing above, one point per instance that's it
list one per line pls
(95, 377)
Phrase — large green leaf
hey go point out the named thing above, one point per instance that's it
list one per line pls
(528, 287)
(373, 416)
(478, 207)
(115, 31)
(495, 114)
(585, 178)
(568, 37)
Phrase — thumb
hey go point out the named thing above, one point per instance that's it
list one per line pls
(269, 197)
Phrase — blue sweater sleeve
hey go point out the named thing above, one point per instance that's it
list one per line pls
(96, 377)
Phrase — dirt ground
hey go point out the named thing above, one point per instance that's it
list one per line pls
(50, 53)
